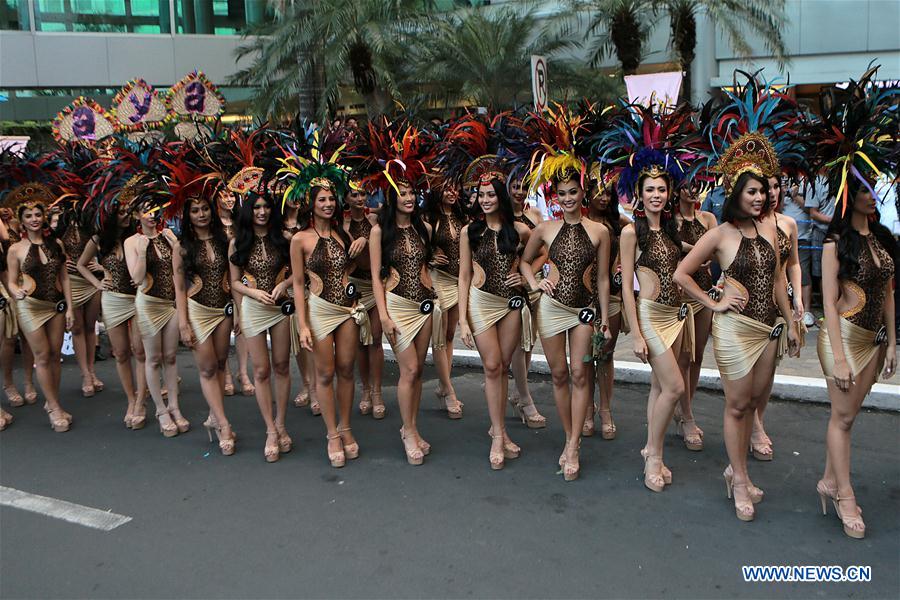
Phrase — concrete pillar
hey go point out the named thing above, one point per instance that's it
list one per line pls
(203, 15)
(255, 11)
(165, 20)
(188, 22)
(705, 65)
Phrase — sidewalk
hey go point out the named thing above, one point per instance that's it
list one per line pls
(798, 379)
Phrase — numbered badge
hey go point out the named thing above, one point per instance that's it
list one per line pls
(881, 336)
(683, 311)
(229, 309)
(245, 280)
(776, 331)
(61, 306)
(617, 279)
(350, 290)
(790, 290)
(516, 303)
(426, 307)
(586, 315)
(714, 293)
(3, 303)
(288, 308)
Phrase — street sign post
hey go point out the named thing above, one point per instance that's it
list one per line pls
(539, 82)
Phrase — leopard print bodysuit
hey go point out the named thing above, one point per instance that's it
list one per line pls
(117, 272)
(408, 257)
(211, 264)
(872, 279)
(45, 276)
(264, 263)
(361, 229)
(496, 266)
(573, 254)
(329, 261)
(661, 256)
(446, 239)
(754, 268)
(523, 218)
(690, 233)
(159, 266)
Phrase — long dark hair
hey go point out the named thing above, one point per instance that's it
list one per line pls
(667, 222)
(243, 240)
(387, 220)
(508, 237)
(850, 244)
(611, 212)
(190, 244)
(731, 208)
(110, 235)
(305, 217)
(434, 206)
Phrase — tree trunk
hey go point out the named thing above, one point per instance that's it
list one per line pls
(684, 40)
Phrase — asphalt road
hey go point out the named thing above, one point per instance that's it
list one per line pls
(208, 526)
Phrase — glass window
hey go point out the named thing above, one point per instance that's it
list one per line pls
(14, 15)
(123, 16)
(219, 17)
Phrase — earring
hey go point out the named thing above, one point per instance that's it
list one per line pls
(639, 210)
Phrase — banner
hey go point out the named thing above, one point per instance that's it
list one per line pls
(664, 87)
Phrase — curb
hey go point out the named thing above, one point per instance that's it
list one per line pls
(883, 396)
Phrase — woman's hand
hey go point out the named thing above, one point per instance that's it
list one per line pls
(465, 334)
(842, 375)
(890, 363)
(515, 280)
(263, 297)
(306, 339)
(793, 341)
(141, 243)
(70, 318)
(439, 259)
(20, 294)
(71, 266)
(640, 348)
(187, 335)
(731, 300)
(236, 326)
(546, 286)
(798, 307)
(280, 290)
(390, 329)
(357, 247)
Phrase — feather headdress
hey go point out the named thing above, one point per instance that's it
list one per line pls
(393, 153)
(556, 143)
(858, 136)
(311, 165)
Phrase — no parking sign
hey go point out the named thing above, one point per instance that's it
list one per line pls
(539, 82)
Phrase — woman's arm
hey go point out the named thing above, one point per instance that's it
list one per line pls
(705, 248)
(628, 253)
(86, 258)
(298, 269)
(831, 291)
(67, 291)
(794, 273)
(184, 320)
(603, 278)
(465, 281)
(387, 325)
(890, 359)
(136, 258)
(13, 273)
(532, 252)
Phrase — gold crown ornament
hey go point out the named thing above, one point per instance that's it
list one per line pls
(246, 180)
(28, 195)
(750, 153)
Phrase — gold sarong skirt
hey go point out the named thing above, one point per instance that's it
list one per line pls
(82, 290)
(325, 317)
(661, 325)
(739, 341)
(859, 348)
(447, 289)
(365, 295)
(554, 317)
(408, 317)
(32, 313)
(152, 313)
(204, 319)
(486, 310)
(116, 308)
(257, 318)
(8, 314)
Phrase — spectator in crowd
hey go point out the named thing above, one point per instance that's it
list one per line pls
(821, 209)
(795, 207)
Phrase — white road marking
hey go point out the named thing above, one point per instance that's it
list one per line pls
(60, 509)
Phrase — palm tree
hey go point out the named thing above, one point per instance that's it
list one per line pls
(618, 27)
(482, 56)
(328, 43)
(735, 18)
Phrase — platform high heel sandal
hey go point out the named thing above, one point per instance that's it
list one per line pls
(378, 407)
(171, 430)
(756, 494)
(414, 454)
(607, 426)
(535, 420)
(226, 442)
(58, 421)
(351, 451)
(337, 459)
(454, 409)
(497, 459)
(742, 510)
(270, 450)
(666, 473)
(139, 416)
